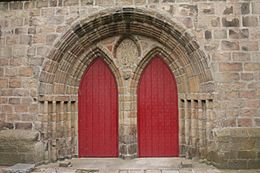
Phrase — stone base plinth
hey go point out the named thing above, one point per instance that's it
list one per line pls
(236, 148)
(20, 146)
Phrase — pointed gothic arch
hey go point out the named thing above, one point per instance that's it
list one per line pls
(75, 49)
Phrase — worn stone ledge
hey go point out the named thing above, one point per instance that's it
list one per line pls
(17, 135)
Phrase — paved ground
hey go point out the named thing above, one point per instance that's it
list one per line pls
(141, 165)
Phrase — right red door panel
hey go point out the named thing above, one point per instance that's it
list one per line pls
(157, 111)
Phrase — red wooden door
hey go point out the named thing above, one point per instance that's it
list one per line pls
(98, 112)
(157, 111)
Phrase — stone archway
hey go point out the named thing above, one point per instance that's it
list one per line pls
(73, 52)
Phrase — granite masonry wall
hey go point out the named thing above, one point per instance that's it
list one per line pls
(211, 46)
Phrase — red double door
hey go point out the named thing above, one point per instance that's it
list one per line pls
(157, 112)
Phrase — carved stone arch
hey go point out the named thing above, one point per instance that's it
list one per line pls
(120, 21)
(79, 66)
(187, 98)
(143, 63)
(76, 48)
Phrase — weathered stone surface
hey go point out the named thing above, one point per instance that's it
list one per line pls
(230, 22)
(244, 147)
(211, 46)
(65, 164)
(19, 168)
(256, 7)
(241, 56)
(230, 67)
(230, 45)
(20, 146)
(238, 34)
(250, 21)
(245, 8)
(13, 135)
(208, 35)
(220, 34)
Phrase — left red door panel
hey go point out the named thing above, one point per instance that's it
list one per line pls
(98, 112)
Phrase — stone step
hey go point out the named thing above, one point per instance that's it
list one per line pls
(19, 168)
(186, 164)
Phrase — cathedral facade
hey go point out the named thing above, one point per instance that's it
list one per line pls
(130, 78)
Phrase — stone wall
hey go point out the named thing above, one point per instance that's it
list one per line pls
(20, 146)
(236, 148)
(211, 46)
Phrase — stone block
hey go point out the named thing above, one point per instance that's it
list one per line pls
(206, 8)
(245, 8)
(65, 164)
(247, 76)
(105, 2)
(19, 168)
(186, 164)
(257, 121)
(208, 35)
(124, 2)
(241, 56)
(237, 164)
(254, 164)
(24, 126)
(20, 146)
(223, 67)
(256, 8)
(229, 45)
(70, 2)
(5, 126)
(221, 57)
(249, 45)
(140, 2)
(238, 34)
(26, 71)
(252, 66)
(246, 155)
(16, 5)
(220, 34)
(228, 10)
(132, 149)
(243, 142)
(170, 171)
(15, 83)
(3, 6)
(42, 3)
(230, 22)
(3, 83)
(250, 21)
(14, 101)
(227, 77)
(87, 2)
(5, 52)
(53, 3)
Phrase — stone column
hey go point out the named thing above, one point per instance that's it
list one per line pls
(54, 133)
(187, 123)
(182, 126)
(69, 139)
(200, 123)
(76, 126)
(45, 130)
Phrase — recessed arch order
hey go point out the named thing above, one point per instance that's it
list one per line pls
(76, 49)
(81, 35)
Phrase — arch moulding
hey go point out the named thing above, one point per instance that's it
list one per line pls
(75, 50)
